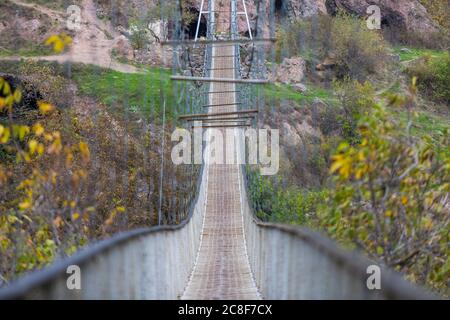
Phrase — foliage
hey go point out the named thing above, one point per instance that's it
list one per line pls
(139, 34)
(433, 76)
(31, 227)
(54, 89)
(356, 50)
(439, 10)
(59, 42)
(355, 100)
(391, 196)
(274, 203)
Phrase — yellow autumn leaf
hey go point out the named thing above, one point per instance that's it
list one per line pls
(6, 88)
(337, 163)
(75, 216)
(59, 42)
(6, 135)
(120, 209)
(25, 205)
(40, 149)
(38, 129)
(48, 137)
(17, 96)
(45, 107)
(2, 129)
(23, 131)
(51, 40)
(84, 149)
(32, 144)
(361, 156)
(404, 200)
(2, 103)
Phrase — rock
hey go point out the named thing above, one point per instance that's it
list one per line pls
(409, 15)
(2, 26)
(31, 25)
(307, 8)
(123, 47)
(394, 58)
(290, 71)
(290, 135)
(300, 87)
(328, 63)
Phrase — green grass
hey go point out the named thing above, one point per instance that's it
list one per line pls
(415, 53)
(26, 51)
(59, 5)
(426, 124)
(139, 93)
(286, 92)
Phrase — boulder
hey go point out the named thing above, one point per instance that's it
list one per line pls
(31, 25)
(290, 71)
(299, 87)
(123, 47)
(307, 8)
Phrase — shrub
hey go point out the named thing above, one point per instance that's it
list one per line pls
(54, 89)
(433, 76)
(390, 197)
(357, 51)
(356, 99)
(274, 202)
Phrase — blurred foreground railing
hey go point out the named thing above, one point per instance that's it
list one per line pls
(296, 263)
(152, 263)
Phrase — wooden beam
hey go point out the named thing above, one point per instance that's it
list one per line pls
(209, 41)
(228, 80)
(205, 115)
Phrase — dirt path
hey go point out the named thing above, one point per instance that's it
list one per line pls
(91, 44)
(54, 14)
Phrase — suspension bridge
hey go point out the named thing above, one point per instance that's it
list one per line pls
(221, 250)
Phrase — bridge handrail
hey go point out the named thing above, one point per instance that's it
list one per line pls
(393, 286)
(41, 280)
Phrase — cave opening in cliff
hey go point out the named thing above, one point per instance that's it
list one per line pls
(280, 8)
(191, 26)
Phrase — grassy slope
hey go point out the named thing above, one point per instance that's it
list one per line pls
(286, 92)
(140, 92)
(414, 53)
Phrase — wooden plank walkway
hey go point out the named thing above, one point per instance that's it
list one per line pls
(222, 269)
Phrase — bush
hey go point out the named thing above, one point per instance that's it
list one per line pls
(356, 99)
(433, 77)
(357, 51)
(54, 89)
(390, 197)
(273, 202)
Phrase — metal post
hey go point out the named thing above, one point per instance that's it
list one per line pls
(248, 21)
(199, 19)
